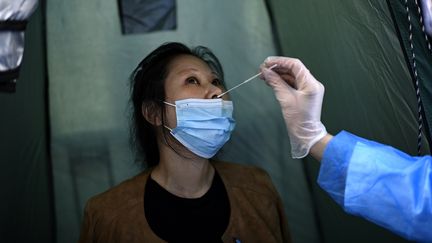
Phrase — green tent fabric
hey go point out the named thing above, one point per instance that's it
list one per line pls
(27, 207)
(419, 57)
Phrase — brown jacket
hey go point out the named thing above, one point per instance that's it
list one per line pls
(257, 213)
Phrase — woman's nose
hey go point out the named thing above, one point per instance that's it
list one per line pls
(213, 91)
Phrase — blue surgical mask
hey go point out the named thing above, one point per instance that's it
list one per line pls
(203, 125)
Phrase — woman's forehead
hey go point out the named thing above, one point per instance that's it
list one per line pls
(186, 63)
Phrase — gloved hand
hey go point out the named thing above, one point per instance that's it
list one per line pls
(300, 96)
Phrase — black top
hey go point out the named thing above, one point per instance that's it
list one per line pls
(177, 219)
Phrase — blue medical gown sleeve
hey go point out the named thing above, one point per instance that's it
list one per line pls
(380, 183)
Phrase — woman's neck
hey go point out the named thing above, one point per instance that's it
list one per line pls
(189, 177)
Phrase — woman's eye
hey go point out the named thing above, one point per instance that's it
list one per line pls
(216, 82)
(192, 81)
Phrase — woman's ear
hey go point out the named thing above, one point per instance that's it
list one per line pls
(151, 113)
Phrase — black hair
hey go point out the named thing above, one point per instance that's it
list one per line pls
(147, 83)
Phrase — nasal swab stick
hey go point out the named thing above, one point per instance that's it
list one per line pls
(247, 80)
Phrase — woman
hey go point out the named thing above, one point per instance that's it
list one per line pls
(184, 195)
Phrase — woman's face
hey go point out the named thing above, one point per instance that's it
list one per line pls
(189, 77)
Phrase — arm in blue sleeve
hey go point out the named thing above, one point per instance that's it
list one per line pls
(380, 183)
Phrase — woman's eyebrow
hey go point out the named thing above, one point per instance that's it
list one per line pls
(187, 70)
(215, 74)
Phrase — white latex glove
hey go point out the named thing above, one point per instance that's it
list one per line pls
(300, 96)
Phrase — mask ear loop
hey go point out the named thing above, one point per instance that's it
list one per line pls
(167, 103)
(164, 133)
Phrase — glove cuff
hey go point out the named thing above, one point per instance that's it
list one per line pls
(304, 138)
